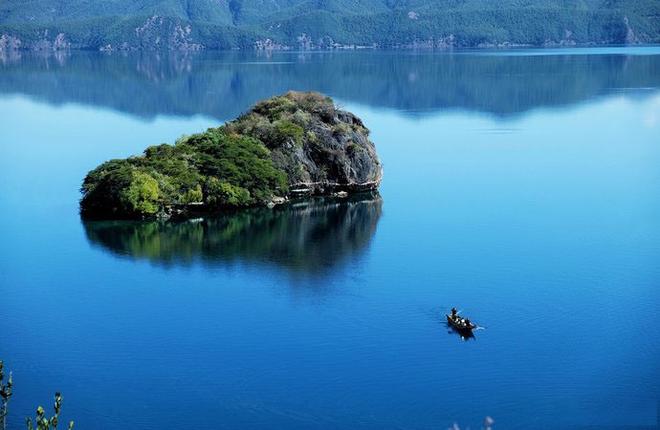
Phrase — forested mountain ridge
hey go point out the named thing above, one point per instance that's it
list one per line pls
(310, 24)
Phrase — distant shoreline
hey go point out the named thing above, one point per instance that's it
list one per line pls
(347, 48)
(291, 50)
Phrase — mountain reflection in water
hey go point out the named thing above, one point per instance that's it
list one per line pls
(307, 236)
(419, 84)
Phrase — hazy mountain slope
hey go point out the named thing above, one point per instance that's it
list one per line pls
(432, 27)
(63, 11)
(193, 24)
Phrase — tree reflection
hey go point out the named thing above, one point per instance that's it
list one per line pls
(307, 236)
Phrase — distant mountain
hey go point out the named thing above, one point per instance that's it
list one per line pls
(311, 24)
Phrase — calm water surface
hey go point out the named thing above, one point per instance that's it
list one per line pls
(522, 187)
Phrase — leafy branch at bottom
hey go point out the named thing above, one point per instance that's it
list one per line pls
(45, 423)
(41, 421)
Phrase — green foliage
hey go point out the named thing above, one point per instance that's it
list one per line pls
(142, 194)
(473, 23)
(286, 130)
(217, 168)
(239, 23)
(5, 394)
(284, 118)
(219, 194)
(354, 149)
(43, 422)
(274, 107)
(341, 128)
(193, 195)
(103, 188)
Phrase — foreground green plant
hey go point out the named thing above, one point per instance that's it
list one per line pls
(45, 423)
(213, 168)
(5, 394)
(42, 422)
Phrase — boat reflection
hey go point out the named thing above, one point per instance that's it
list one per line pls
(464, 335)
(310, 236)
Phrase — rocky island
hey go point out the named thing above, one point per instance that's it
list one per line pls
(290, 146)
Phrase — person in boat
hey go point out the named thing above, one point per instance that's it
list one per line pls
(467, 322)
(454, 313)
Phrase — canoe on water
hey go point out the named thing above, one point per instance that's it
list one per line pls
(459, 325)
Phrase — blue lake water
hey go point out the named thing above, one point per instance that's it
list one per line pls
(522, 187)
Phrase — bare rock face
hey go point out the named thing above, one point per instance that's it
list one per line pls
(159, 32)
(43, 42)
(9, 43)
(322, 149)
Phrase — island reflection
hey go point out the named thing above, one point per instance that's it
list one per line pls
(311, 236)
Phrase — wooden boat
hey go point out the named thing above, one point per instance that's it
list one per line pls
(458, 325)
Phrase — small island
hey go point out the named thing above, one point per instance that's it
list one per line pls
(290, 146)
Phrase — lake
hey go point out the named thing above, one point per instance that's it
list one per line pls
(522, 187)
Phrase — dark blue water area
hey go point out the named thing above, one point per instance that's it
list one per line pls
(522, 187)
